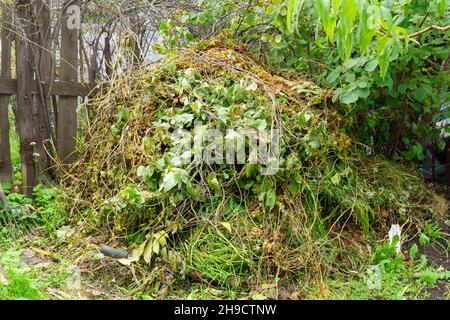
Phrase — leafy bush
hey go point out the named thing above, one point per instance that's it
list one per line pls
(385, 61)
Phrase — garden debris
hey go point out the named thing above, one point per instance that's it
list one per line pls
(228, 223)
(113, 253)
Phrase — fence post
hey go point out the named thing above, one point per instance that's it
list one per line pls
(67, 116)
(6, 170)
(24, 108)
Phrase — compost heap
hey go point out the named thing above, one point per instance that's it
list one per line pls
(227, 224)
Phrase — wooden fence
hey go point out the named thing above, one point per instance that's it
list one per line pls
(44, 94)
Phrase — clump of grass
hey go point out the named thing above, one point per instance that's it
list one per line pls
(216, 259)
(28, 281)
(20, 287)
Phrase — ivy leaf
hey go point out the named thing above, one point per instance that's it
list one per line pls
(333, 76)
(363, 92)
(160, 164)
(371, 65)
(169, 181)
(349, 97)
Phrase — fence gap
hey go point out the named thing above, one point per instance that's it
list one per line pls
(67, 115)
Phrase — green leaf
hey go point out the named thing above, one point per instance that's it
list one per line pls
(251, 170)
(385, 47)
(365, 30)
(259, 296)
(424, 240)
(182, 119)
(442, 7)
(293, 12)
(160, 164)
(333, 76)
(294, 188)
(323, 11)
(413, 252)
(169, 181)
(371, 65)
(149, 145)
(349, 97)
(363, 92)
(145, 172)
(348, 14)
(420, 94)
(271, 199)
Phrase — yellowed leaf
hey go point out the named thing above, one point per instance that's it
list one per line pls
(227, 226)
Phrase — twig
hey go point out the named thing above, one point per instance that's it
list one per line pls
(433, 27)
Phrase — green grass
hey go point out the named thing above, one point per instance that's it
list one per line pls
(20, 287)
(386, 276)
(26, 281)
(15, 143)
(22, 281)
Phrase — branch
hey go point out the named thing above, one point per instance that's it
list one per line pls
(416, 34)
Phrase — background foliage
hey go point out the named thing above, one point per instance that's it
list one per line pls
(385, 61)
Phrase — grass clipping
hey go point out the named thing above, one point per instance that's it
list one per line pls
(222, 223)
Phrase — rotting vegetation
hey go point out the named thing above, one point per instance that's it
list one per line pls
(227, 225)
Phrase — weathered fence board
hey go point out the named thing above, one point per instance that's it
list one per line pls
(24, 108)
(9, 87)
(6, 170)
(67, 116)
(43, 66)
(40, 117)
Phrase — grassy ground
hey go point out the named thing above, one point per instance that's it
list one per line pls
(53, 263)
(44, 269)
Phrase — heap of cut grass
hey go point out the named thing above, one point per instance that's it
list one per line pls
(228, 224)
